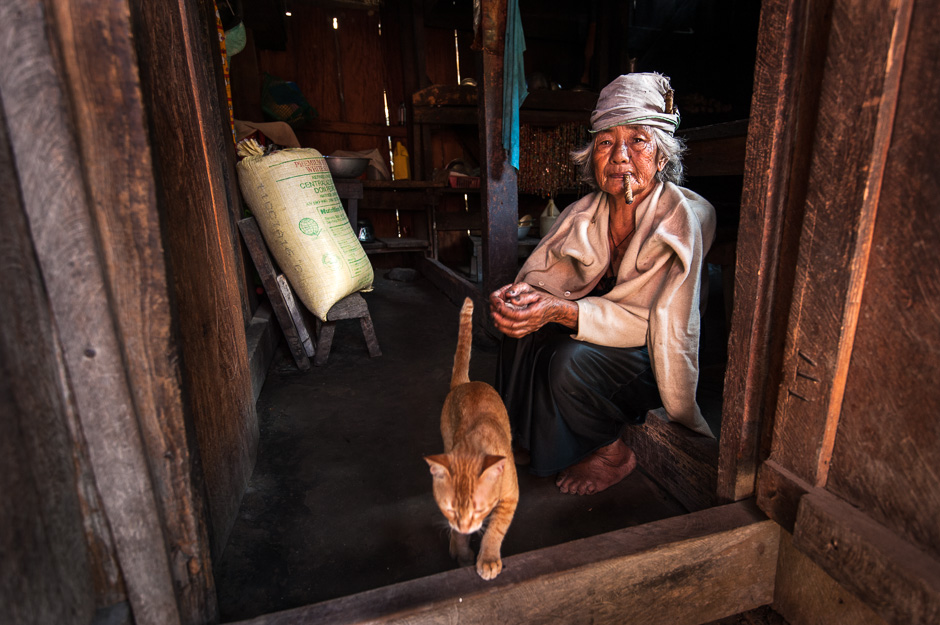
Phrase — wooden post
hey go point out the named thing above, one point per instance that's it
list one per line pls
(499, 191)
(786, 87)
(189, 137)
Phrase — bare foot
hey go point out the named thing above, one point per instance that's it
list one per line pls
(599, 471)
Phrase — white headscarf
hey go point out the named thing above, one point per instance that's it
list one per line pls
(636, 99)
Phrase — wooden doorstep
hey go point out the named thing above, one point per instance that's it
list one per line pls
(685, 570)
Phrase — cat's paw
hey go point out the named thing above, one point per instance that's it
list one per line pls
(489, 568)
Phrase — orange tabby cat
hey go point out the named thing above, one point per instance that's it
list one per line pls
(476, 477)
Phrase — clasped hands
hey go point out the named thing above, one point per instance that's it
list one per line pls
(520, 309)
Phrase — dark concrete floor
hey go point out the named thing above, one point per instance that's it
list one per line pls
(340, 499)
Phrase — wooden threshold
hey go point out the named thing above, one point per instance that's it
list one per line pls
(684, 570)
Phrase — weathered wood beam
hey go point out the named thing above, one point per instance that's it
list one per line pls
(683, 571)
(191, 143)
(841, 199)
(499, 185)
(895, 578)
(770, 217)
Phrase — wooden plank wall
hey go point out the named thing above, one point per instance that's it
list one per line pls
(889, 415)
(85, 207)
(855, 442)
(342, 73)
(130, 233)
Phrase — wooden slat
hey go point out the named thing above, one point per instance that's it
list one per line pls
(683, 571)
(296, 315)
(896, 579)
(679, 460)
(71, 262)
(352, 128)
(460, 220)
(407, 198)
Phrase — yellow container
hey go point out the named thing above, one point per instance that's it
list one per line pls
(400, 168)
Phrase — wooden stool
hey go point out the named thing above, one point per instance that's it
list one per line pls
(350, 307)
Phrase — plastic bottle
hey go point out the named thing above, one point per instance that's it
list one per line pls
(401, 162)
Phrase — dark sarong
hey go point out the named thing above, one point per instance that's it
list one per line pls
(568, 398)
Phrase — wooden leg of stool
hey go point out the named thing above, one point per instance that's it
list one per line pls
(324, 341)
(368, 331)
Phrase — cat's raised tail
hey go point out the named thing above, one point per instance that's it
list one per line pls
(461, 373)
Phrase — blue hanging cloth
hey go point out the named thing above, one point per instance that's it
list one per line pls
(514, 85)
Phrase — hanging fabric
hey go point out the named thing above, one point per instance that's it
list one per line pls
(514, 85)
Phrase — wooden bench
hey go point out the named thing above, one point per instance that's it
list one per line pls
(289, 314)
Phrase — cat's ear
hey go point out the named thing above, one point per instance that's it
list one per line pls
(440, 465)
(493, 466)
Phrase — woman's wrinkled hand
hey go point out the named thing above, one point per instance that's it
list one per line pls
(520, 309)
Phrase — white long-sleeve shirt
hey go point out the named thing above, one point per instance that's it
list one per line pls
(656, 297)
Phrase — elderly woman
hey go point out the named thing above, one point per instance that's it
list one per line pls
(602, 321)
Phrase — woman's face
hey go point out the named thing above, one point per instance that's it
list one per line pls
(624, 149)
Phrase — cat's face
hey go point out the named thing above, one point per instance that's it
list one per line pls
(466, 494)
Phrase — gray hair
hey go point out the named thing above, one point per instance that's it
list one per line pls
(666, 145)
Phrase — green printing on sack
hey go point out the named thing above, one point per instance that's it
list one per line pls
(309, 227)
(331, 261)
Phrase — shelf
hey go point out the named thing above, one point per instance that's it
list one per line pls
(386, 245)
(458, 104)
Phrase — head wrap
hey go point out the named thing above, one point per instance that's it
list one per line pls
(636, 99)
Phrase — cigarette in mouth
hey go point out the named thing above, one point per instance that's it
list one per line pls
(626, 183)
